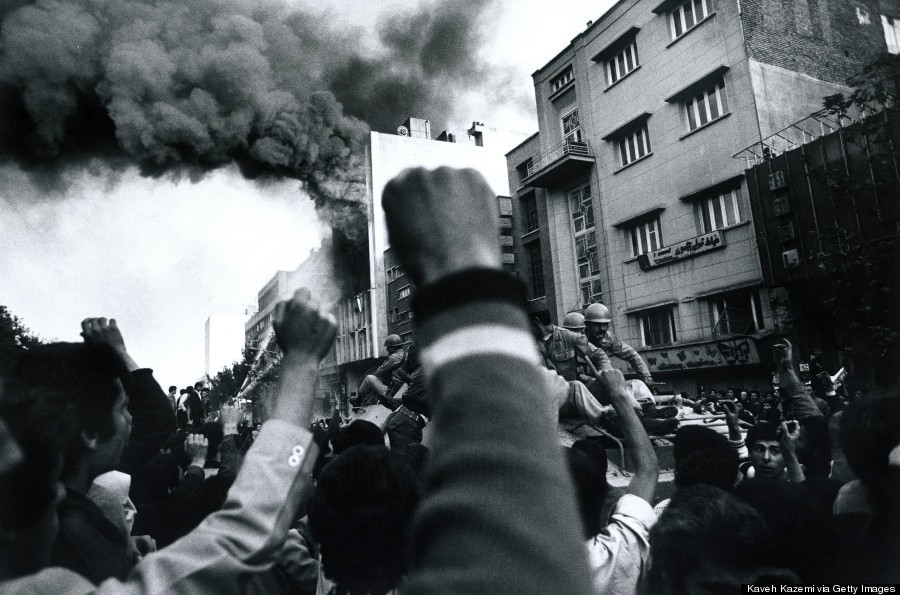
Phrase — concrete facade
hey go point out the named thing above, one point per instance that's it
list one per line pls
(663, 100)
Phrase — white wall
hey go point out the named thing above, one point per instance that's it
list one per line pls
(224, 341)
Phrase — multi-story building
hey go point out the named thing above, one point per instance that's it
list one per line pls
(630, 193)
(829, 229)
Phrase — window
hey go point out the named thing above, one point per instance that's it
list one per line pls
(687, 16)
(393, 273)
(562, 80)
(587, 257)
(536, 270)
(571, 127)
(658, 326)
(736, 313)
(404, 292)
(529, 206)
(634, 145)
(709, 105)
(525, 168)
(719, 211)
(645, 237)
(621, 64)
(891, 28)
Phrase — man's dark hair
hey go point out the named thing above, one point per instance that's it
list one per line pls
(702, 455)
(802, 537)
(762, 432)
(703, 522)
(587, 465)
(198, 385)
(85, 378)
(358, 433)
(543, 317)
(40, 423)
(360, 514)
(870, 429)
(173, 387)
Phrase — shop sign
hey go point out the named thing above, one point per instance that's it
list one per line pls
(686, 249)
(719, 354)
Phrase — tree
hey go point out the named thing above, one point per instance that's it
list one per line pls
(226, 384)
(859, 268)
(14, 336)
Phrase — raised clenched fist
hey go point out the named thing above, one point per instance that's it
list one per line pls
(441, 222)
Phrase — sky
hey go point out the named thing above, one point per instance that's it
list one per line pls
(161, 253)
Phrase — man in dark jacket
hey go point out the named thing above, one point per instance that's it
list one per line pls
(122, 418)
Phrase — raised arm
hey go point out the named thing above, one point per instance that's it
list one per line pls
(799, 401)
(732, 411)
(492, 519)
(152, 418)
(629, 354)
(646, 473)
(789, 436)
(246, 535)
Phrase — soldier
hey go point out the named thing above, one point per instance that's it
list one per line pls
(596, 321)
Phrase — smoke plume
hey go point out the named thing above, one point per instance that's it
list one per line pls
(181, 87)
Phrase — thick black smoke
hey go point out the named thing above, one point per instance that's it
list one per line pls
(429, 57)
(185, 86)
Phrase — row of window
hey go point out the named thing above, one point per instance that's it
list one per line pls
(682, 19)
(708, 106)
(396, 316)
(733, 313)
(714, 212)
(393, 273)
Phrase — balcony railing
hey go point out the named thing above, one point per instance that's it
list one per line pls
(555, 155)
(568, 147)
(799, 133)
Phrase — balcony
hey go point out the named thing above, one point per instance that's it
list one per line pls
(558, 164)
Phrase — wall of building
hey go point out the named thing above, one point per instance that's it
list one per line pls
(257, 329)
(517, 166)
(828, 214)
(680, 164)
(804, 50)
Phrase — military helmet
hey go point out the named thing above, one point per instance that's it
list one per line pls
(393, 341)
(573, 321)
(597, 313)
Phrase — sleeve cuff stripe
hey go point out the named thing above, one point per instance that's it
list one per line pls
(485, 339)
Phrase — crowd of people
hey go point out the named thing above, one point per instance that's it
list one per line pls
(110, 485)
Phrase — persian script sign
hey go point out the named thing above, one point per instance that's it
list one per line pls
(686, 249)
(717, 354)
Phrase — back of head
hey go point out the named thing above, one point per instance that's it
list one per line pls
(360, 514)
(702, 455)
(706, 536)
(801, 529)
(86, 379)
(39, 421)
(358, 433)
(870, 429)
(587, 465)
